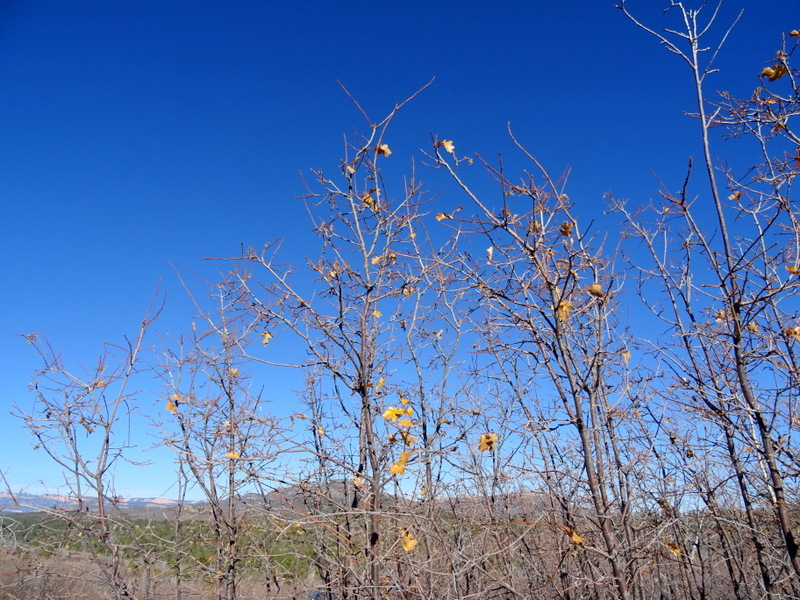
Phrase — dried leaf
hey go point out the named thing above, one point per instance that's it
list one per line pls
(794, 270)
(320, 430)
(266, 337)
(448, 146)
(794, 33)
(407, 438)
(442, 216)
(383, 149)
(596, 290)
(793, 332)
(381, 381)
(775, 72)
(563, 309)
(674, 548)
(487, 442)
(376, 313)
(233, 454)
(566, 228)
(409, 543)
(358, 482)
(405, 422)
(572, 534)
(173, 406)
(626, 354)
(489, 254)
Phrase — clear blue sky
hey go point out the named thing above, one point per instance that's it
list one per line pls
(135, 135)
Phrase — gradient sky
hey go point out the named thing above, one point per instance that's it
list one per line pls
(138, 136)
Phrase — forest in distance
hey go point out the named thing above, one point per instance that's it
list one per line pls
(474, 424)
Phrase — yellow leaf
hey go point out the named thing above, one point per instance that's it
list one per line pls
(377, 314)
(487, 441)
(794, 33)
(735, 196)
(399, 467)
(380, 383)
(405, 422)
(473, 412)
(442, 216)
(793, 269)
(172, 407)
(233, 372)
(384, 149)
(266, 337)
(572, 534)
(775, 72)
(753, 326)
(448, 146)
(563, 309)
(675, 549)
(626, 354)
(793, 332)
(409, 543)
(320, 430)
(233, 454)
(392, 413)
(403, 400)
(358, 482)
(368, 200)
(595, 290)
(350, 169)
(375, 260)
(409, 410)
(408, 439)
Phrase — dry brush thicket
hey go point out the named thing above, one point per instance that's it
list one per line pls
(480, 416)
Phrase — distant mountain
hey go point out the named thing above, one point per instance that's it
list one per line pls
(26, 503)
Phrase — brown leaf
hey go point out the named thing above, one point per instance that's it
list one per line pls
(674, 548)
(572, 534)
(596, 290)
(775, 72)
(563, 309)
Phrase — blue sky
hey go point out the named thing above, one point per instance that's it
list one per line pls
(144, 135)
